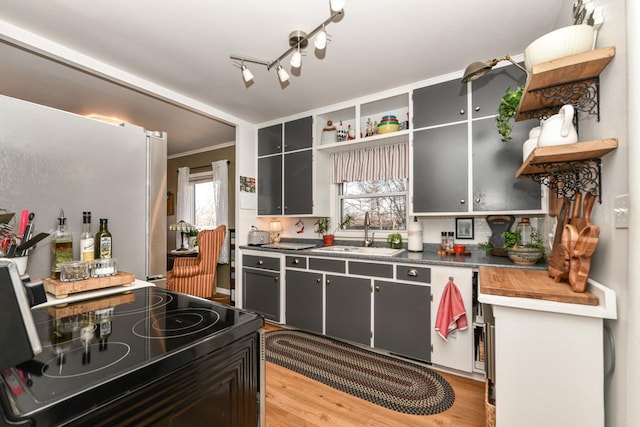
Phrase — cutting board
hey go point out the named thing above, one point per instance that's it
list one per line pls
(523, 283)
(61, 289)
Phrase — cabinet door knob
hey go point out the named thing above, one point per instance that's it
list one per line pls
(318, 280)
(461, 111)
(295, 261)
(278, 147)
(478, 200)
(276, 278)
(377, 288)
(412, 272)
(260, 262)
(328, 282)
(477, 108)
(462, 201)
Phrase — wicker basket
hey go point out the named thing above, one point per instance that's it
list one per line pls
(489, 408)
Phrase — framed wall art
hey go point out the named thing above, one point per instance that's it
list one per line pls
(464, 228)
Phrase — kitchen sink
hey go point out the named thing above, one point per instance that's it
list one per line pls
(359, 250)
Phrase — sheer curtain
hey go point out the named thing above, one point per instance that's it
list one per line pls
(185, 206)
(220, 178)
(370, 164)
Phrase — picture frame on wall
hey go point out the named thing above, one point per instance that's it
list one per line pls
(464, 228)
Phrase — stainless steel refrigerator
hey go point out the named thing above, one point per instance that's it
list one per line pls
(52, 160)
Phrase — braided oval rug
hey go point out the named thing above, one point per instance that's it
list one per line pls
(385, 381)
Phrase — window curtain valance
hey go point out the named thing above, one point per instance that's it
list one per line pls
(370, 164)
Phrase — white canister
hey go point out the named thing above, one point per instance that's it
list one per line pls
(415, 235)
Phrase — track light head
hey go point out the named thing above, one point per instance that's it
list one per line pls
(336, 5)
(283, 76)
(296, 59)
(321, 39)
(247, 75)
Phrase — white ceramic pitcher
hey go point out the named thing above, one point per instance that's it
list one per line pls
(558, 129)
(530, 143)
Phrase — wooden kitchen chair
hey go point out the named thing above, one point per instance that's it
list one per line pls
(197, 276)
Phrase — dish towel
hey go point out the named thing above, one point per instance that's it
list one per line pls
(451, 313)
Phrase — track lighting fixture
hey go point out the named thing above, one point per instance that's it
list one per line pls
(477, 69)
(298, 40)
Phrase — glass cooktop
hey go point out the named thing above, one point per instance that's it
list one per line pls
(88, 342)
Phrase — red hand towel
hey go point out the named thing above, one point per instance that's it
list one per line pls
(451, 313)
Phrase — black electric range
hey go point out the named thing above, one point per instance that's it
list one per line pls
(103, 357)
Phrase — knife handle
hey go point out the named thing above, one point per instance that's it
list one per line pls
(24, 219)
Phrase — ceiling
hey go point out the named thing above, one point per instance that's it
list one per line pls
(164, 64)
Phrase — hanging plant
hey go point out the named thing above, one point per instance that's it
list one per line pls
(507, 110)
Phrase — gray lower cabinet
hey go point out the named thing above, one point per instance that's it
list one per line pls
(261, 285)
(402, 315)
(348, 308)
(495, 163)
(303, 300)
(440, 168)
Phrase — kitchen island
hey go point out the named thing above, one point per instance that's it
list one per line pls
(549, 351)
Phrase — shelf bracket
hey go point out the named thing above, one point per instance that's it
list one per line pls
(583, 94)
(569, 178)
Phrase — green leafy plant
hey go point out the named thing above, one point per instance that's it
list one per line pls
(511, 239)
(323, 224)
(507, 110)
(395, 240)
(486, 247)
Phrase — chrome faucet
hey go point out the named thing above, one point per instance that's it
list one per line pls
(367, 224)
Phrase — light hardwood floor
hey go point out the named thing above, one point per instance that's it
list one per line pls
(293, 400)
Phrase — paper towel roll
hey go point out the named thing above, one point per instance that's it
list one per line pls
(415, 235)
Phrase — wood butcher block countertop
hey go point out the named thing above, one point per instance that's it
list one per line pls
(536, 284)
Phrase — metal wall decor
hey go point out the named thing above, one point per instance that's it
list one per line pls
(569, 178)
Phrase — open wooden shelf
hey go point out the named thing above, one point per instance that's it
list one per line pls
(564, 81)
(399, 137)
(562, 155)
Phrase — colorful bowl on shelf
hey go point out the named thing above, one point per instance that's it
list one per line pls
(387, 128)
(391, 116)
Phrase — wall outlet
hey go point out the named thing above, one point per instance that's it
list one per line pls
(621, 211)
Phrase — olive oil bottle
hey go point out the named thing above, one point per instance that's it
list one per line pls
(103, 242)
(61, 246)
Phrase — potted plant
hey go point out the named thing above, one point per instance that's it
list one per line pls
(323, 225)
(395, 240)
(524, 255)
(507, 109)
(193, 238)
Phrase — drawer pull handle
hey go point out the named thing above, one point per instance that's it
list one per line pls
(260, 262)
(412, 272)
(295, 261)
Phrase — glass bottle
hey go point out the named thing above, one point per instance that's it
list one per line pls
(103, 242)
(61, 246)
(443, 240)
(86, 239)
(450, 240)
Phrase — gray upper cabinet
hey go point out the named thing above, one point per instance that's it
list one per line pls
(440, 168)
(270, 185)
(298, 183)
(285, 176)
(495, 186)
(441, 103)
(270, 140)
(489, 89)
(298, 134)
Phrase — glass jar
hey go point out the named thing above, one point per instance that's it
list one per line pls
(524, 230)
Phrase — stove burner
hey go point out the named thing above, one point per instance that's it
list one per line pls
(59, 368)
(177, 323)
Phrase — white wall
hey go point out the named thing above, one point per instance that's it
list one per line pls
(610, 261)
